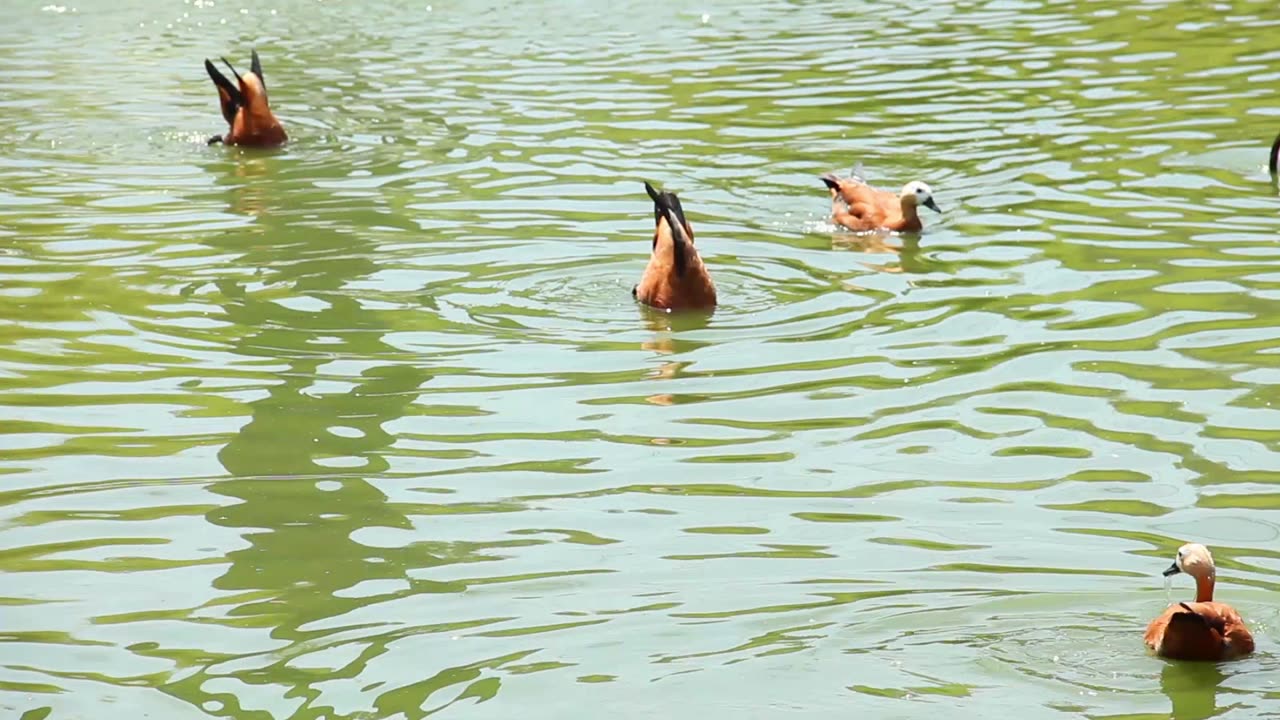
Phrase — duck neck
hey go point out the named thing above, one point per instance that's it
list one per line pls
(909, 212)
(1204, 588)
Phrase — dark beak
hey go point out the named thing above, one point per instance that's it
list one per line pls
(932, 205)
(1173, 570)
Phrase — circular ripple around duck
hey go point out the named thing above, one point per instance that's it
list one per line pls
(1081, 652)
(593, 296)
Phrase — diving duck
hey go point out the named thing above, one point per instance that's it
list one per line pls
(245, 107)
(675, 278)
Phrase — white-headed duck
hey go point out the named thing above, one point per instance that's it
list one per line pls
(860, 207)
(1200, 630)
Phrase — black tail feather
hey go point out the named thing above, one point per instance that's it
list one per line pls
(235, 73)
(679, 242)
(1275, 155)
(230, 96)
(255, 67)
(667, 200)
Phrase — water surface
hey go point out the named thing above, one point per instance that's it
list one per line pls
(370, 426)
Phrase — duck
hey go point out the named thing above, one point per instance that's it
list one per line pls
(245, 107)
(1200, 630)
(675, 278)
(859, 207)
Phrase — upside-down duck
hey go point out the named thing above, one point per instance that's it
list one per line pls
(675, 278)
(245, 107)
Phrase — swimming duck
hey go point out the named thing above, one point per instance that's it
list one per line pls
(1200, 630)
(860, 207)
(675, 278)
(245, 107)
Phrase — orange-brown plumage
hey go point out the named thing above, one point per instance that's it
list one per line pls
(675, 278)
(1200, 630)
(245, 107)
(860, 207)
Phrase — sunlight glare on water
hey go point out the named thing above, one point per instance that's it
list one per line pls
(370, 426)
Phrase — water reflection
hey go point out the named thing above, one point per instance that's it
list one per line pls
(251, 183)
(300, 467)
(905, 249)
(1192, 688)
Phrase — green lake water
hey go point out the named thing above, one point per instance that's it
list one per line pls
(371, 427)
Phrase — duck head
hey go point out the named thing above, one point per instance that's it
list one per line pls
(917, 193)
(1193, 559)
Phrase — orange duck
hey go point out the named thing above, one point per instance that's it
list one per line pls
(675, 278)
(1200, 630)
(245, 107)
(860, 207)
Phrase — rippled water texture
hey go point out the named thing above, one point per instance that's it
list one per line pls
(370, 427)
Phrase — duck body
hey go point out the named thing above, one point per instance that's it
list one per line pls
(675, 278)
(245, 107)
(859, 207)
(1200, 630)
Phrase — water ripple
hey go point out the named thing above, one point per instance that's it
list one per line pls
(370, 426)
